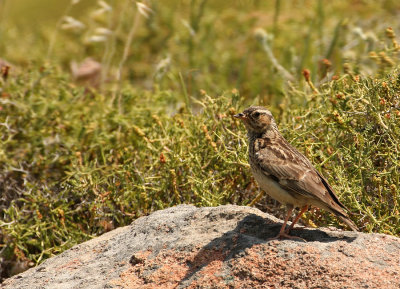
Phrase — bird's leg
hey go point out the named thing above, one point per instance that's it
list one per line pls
(282, 234)
(303, 209)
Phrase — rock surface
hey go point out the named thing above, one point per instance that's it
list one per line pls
(222, 247)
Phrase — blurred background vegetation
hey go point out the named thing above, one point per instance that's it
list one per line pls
(110, 110)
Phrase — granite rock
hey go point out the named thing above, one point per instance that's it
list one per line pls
(221, 247)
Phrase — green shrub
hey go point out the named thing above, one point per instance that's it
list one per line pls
(350, 130)
(73, 166)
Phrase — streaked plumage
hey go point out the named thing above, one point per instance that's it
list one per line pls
(283, 172)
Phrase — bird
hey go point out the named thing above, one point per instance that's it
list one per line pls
(284, 173)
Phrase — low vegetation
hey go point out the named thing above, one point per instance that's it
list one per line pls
(153, 127)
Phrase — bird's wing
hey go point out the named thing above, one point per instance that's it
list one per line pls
(294, 172)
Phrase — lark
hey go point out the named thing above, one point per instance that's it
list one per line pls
(284, 173)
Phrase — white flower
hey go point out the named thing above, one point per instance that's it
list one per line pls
(261, 35)
(190, 28)
(162, 67)
(143, 9)
(364, 36)
(71, 23)
(103, 31)
(104, 5)
(97, 38)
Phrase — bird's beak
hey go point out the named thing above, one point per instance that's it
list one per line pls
(240, 116)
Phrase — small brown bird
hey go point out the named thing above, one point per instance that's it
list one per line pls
(284, 173)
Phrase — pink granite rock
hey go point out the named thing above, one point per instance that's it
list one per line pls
(223, 247)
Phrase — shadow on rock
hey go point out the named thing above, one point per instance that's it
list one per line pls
(250, 231)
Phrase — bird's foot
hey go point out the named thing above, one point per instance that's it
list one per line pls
(293, 229)
(285, 235)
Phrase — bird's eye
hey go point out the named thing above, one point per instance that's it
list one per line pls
(256, 114)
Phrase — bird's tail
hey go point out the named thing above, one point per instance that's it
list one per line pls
(348, 222)
(342, 215)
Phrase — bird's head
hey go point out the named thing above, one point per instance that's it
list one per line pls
(257, 119)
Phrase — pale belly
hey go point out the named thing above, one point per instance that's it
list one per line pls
(273, 189)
